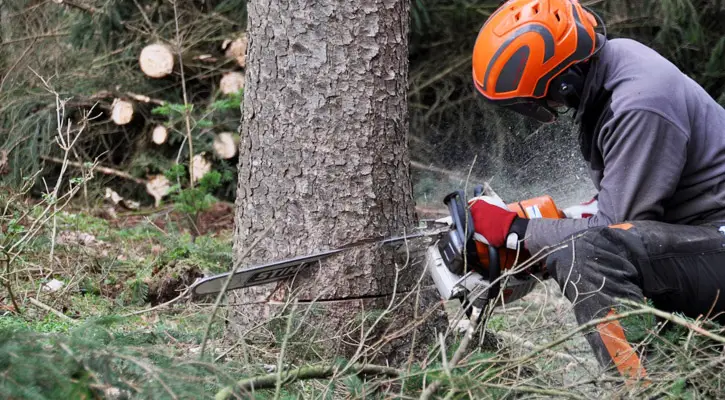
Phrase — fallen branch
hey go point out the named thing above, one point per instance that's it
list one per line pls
(145, 99)
(35, 37)
(519, 341)
(223, 291)
(675, 319)
(6, 282)
(304, 373)
(71, 4)
(48, 308)
(104, 170)
(535, 390)
(642, 310)
(581, 328)
(159, 306)
(106, 94)
(458, 355)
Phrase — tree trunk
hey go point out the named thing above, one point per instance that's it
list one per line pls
(324, 160)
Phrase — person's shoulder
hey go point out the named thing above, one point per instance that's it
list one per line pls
(641, 79)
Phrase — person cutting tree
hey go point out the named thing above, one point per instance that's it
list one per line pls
(654, 141)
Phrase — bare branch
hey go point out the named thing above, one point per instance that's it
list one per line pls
(71, 4)
(50, 309)
(104, 170)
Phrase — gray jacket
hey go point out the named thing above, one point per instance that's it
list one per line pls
(654, 141)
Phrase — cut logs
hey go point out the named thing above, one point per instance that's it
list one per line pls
(121, 112)
(200, 166)
(156, 60)
(237, 49)
(232, 82)
(160, 134)
(158, 186)
(225, 145)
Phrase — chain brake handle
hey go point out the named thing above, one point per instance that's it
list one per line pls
(463, 222)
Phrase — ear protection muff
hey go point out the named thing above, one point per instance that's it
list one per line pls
(567, 88)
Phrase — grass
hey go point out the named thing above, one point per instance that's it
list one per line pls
(98, 350)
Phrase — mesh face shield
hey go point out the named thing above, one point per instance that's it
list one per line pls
(537, 109)
(532, 108)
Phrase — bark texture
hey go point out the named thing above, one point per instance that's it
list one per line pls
(324, 160)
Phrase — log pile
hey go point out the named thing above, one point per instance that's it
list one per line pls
(153, 95)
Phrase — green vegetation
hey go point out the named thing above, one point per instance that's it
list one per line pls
(98, 335)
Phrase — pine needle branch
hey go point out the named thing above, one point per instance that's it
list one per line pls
(674, 318)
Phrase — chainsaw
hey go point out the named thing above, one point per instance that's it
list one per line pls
(461, 268)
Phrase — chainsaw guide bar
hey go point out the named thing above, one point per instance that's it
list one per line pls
(288, 268)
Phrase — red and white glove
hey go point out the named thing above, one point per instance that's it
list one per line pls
(583, 210)
(495, 224)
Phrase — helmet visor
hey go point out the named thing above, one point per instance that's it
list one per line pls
(532, 108)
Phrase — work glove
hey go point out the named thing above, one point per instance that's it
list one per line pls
(495, 224)
(583, 210)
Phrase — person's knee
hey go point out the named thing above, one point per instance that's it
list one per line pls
(564, 264)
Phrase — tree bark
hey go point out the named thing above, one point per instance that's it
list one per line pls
(323, 158)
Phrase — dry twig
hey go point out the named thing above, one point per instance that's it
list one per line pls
(48, 308)
(223, 291)
(101, 169)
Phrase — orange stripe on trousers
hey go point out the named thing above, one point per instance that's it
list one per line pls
(624, 356)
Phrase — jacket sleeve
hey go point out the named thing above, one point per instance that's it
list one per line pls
(644, 155)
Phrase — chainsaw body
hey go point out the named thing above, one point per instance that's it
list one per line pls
(465, 269)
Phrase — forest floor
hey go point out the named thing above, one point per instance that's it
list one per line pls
(84, 291)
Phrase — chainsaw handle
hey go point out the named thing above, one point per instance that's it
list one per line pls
(478, 191)
(460, 215)
(494, 272)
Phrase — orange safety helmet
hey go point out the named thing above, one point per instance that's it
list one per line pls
(524, 46)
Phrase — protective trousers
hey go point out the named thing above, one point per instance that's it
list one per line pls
(679, 268)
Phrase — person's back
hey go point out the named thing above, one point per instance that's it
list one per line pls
(638, 78)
